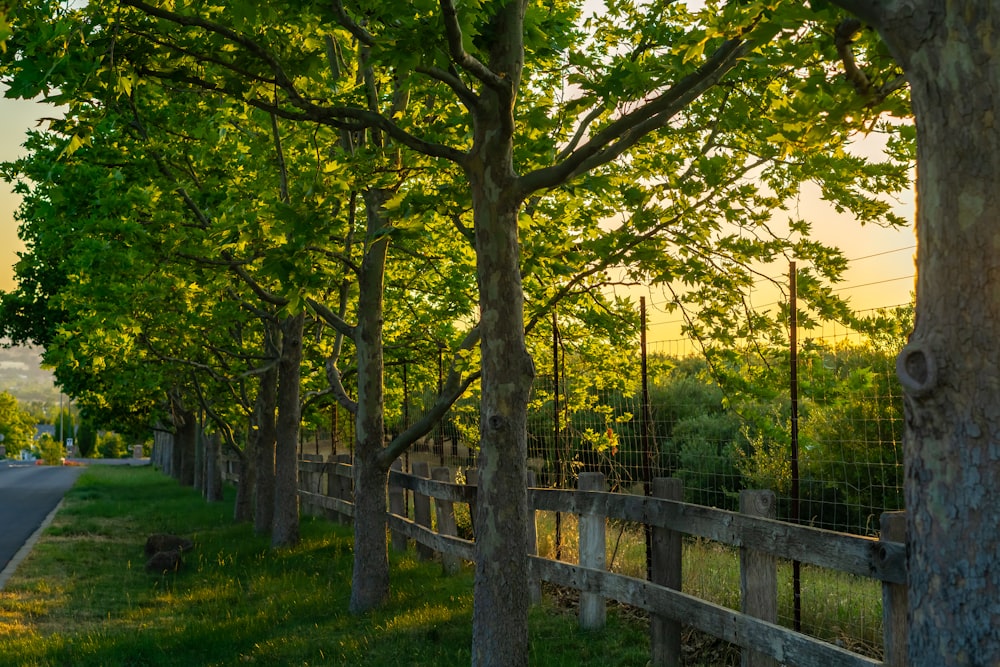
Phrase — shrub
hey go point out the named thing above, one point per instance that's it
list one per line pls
(111, 446)
(51, 451)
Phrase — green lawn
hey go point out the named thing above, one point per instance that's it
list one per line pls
(83, 597)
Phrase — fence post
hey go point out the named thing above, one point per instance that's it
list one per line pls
(593, 609)
(534, 584)
(895, 632)
(213, 469)
(397, 505)
(446, 520)
(338, 486)
(472, 479)
(305, 505)
(310, 481)
(758, 575)
(422, 507)
(664, 633)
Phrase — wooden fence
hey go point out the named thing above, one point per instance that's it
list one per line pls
(325, 487)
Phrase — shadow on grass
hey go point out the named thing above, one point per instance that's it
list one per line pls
(84, 599)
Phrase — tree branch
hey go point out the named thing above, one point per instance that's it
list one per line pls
(280, 155)
(581, 131)
(331, 318)
(843, 39)
(333, 116)
(454, 386)
(281, 77)
(628, 129)
(333, 378)
(453, 32)
(350, 264)
(872, 12)
(352, 26)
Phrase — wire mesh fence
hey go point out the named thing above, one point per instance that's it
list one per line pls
(721, 421)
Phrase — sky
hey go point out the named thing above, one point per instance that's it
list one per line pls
(16, 118)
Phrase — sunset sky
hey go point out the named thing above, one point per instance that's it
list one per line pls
(16, 117)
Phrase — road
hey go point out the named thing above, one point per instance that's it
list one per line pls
(27, 494)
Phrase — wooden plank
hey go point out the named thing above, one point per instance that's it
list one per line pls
(340, 485)
(784, 645)
(861, 556)
(534, 585)
(445, 520)
(422, 508)
(758, 575)
(397, 505)
(327, 502)
(667, 559)
(895, 631)
(444, 544)
(456, 493)
(592, 527)
(308, 466)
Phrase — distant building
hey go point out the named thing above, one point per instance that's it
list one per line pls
(45, 429)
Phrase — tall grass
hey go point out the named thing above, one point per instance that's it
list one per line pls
(837, 607)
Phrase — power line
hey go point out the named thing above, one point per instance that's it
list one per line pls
(884, 252)
(877, 282)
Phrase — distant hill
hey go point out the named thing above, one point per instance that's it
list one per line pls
(21, 374)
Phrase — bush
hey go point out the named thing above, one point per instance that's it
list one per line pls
(51, 451)
(111, 446)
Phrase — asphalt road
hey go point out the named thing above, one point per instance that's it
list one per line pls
(27, 494)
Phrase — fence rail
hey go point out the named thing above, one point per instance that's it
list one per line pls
(760, 540)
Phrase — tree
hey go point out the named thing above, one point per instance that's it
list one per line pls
(950, 368)
(16, 424)
(86, 437)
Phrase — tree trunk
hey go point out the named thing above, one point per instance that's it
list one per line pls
(213, 469)
(185, 443)
(285, 526)
(500, 610)
(370, 582)
(950, 370)
(263, 452)
(199, 458)
(243, 506)
(163, 450)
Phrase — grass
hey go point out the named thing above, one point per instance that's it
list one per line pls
(83, 598)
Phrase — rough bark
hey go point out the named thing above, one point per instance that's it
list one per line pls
(500, 610)
(185, 442)
(199, 459)
(950, 370)
(243, 506)
(370, 582)
(263, 452)
(285, 524)
(213, 468)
